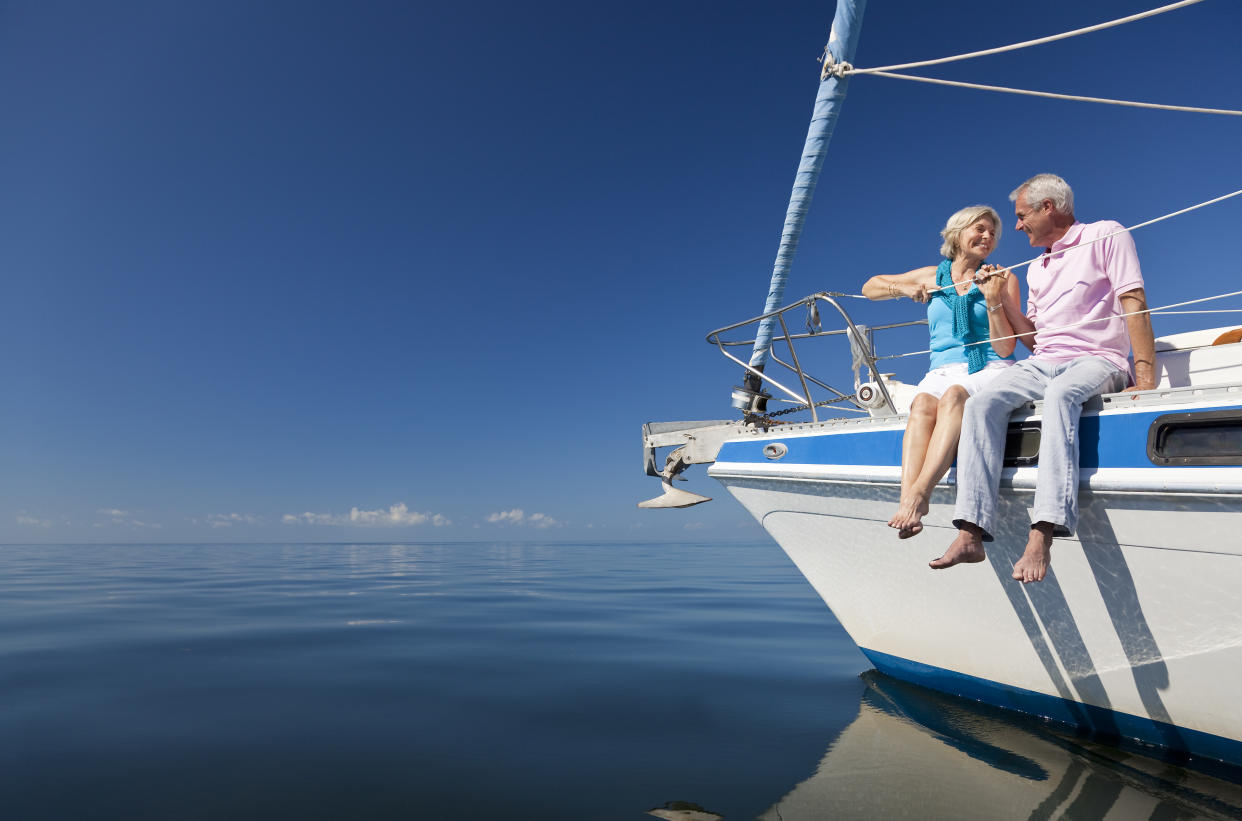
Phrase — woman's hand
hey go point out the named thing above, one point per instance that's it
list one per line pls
(917, 291)
(991, 280)
(910, 285)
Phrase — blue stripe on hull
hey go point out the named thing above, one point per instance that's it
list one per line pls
(1115, 441)
(1177, 741)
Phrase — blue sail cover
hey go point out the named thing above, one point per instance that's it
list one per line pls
(841, 45)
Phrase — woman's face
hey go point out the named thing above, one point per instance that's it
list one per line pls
(977, 239)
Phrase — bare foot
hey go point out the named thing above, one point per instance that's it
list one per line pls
(909, 516)
(1033, 565)
(967, 548)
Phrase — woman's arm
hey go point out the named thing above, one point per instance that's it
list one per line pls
(914, 284)
(1018, 320)
(995, 284)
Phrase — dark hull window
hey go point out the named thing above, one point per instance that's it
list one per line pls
(1022, 444)
(1197, 438)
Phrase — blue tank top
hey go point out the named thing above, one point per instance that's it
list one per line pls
(946, 349)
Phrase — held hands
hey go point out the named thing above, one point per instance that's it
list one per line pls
(991, 281)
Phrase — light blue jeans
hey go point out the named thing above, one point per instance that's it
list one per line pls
(1064, 387)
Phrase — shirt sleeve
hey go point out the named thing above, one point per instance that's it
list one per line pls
(1121, 262)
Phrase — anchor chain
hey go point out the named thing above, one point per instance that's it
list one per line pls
(768, 421)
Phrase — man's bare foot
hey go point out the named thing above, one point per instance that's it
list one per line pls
(909, 516)
(967, 548)
(1033, 565)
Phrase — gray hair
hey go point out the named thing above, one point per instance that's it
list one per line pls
(962, 220)
(1046, 187)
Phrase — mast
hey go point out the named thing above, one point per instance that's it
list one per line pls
(842, 42)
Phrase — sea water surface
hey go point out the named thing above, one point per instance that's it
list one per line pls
(499, 680)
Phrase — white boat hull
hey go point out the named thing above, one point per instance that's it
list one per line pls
(1136, 632)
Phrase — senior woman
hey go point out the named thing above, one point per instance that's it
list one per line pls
(965, 305)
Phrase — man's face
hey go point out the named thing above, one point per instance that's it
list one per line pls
(1035, 220)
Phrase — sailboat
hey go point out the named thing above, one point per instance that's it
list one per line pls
(1136, 633)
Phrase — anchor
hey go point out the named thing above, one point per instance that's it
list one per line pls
(674, 464)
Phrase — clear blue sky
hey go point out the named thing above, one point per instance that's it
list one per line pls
(268, 263)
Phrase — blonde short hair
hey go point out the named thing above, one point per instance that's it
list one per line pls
(962, 220)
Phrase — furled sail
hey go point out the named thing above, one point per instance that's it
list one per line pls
(842, 41)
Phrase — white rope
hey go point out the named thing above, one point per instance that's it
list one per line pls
(1051, 95)
(1076, 324)
(1178, 213)
(1028, 43)
(1159, 312)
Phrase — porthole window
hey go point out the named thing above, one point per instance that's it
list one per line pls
(1196, 438)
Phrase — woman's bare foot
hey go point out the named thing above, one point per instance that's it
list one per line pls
(1033, 565)
(967, 548)
(908, 520)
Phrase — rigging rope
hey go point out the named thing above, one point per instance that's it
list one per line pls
(1054, 96)
(1162, 312)
(1213, 201)
(1170, 215)
(842, 69)
(1027, 43)
(1077, 324)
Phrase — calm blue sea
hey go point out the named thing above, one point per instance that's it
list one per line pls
(490, 681)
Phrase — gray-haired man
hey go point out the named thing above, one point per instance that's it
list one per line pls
(1079, 277)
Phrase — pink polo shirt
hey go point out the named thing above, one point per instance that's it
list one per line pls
(1068, 286)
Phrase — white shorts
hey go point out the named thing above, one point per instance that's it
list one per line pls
(939, 380)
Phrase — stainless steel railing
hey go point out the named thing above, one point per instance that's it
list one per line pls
(861, 339)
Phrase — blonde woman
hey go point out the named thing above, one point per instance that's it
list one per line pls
(965, 304)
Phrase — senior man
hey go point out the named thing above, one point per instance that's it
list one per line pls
(1078, 292)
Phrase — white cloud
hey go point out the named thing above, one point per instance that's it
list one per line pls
(230, 519)
(31, 521)
(518, 517)
(309, 518)
(693, 526)
(122, 518)
(398, 515)
(540, 520)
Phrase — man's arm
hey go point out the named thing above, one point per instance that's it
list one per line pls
(1142, 340)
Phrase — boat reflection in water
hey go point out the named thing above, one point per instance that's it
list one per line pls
(914, 753)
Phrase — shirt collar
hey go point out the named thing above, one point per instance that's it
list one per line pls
(1072, 235)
